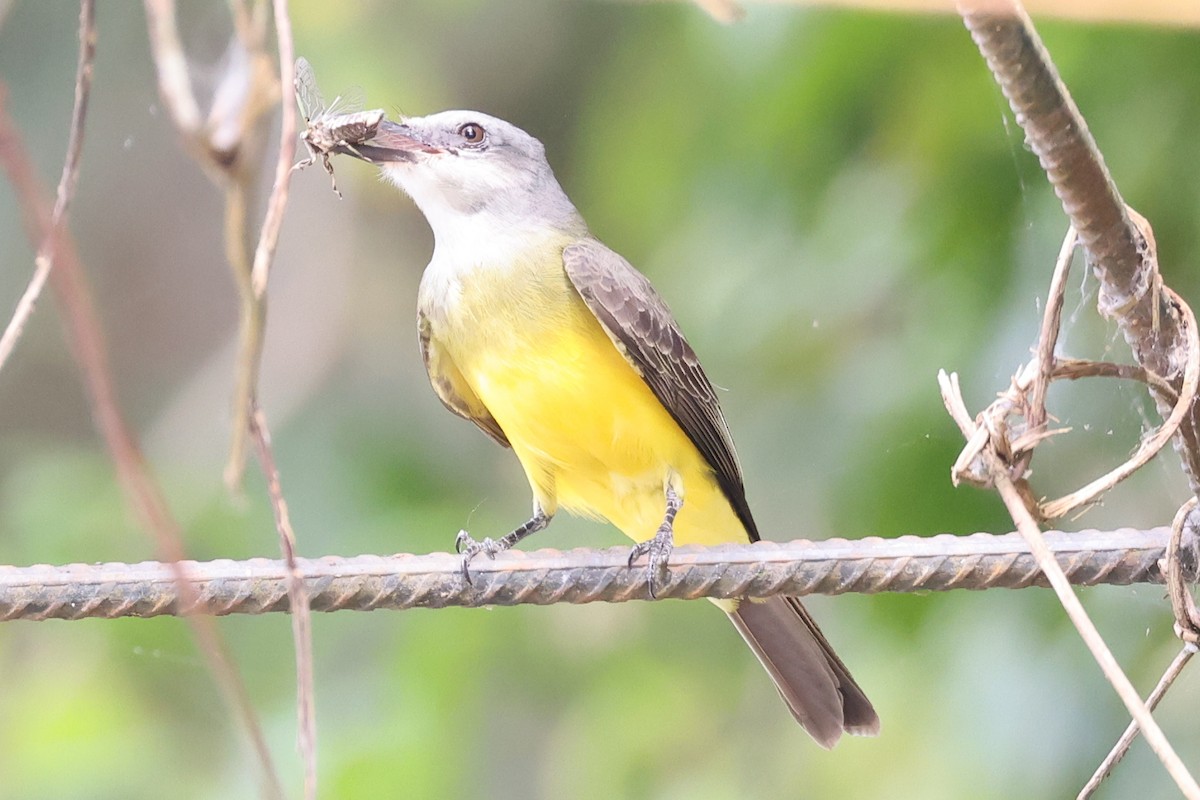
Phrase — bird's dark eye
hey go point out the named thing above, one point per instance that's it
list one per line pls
(472, 132)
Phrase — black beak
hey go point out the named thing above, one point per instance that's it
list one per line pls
(393, 141)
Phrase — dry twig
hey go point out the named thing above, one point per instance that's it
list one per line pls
(227, 145)
(1122, 746)
(44, 261)
(1035, 416)
(1187, 627)
(141, 490)
(1187, 617)
(1149, 447)
(1017, 504)
(1073, 369)
(269, 236)
(298, 604)
(1026, 397)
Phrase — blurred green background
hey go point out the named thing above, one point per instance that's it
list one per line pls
(835, 204)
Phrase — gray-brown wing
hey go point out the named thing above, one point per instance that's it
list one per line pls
(641, 326)
(452, 388)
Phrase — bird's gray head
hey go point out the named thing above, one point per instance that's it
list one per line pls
(461, 164)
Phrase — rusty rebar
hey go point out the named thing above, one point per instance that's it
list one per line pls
(363, 583)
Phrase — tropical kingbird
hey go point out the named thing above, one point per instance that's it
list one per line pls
(557, 347)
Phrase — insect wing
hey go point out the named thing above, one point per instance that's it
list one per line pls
(308, 96)
(350, 102)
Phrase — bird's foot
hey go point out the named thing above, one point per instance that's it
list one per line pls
(658, 552)
(469, 548)
(463, 543)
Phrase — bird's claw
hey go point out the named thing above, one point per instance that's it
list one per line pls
(658, 550)
(469, 548)
(462, 539)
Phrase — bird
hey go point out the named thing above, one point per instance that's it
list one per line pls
(557, 347)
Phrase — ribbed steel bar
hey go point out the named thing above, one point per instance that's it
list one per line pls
(364, 583)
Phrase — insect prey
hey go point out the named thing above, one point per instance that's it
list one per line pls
(342, 123)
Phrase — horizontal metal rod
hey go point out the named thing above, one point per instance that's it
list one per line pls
(364, 583)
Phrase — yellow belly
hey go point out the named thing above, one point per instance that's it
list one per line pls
(591, 435)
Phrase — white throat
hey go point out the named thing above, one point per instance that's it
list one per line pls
(471, 235)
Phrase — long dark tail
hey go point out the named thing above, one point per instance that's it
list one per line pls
(813, 681)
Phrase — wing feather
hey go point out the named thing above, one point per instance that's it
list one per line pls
(640, 324)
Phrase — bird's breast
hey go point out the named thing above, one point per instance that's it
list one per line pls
(503, 296)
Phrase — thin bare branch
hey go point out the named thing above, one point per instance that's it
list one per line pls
(1019, 506)
(297, 602)
(251, 29)
(142, 492)
(989, 431)
(248, 134)
(44, 261)
(1028, 527)
(966, 466)
(1122, 746)
(174, 80)
(269, 236)
(1187, 627)
(1187, 617)
(1048, 339)
(1073, 369)
(1149, 447)
(227, 144)
(252, 324)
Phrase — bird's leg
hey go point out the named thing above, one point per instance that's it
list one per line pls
(659, 548)
(470, 548)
